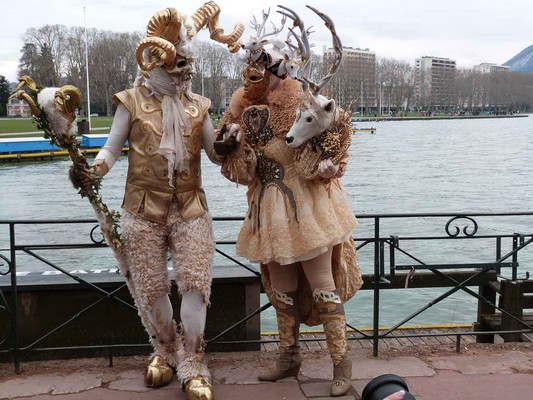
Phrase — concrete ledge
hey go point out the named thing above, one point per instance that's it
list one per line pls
(56, 311)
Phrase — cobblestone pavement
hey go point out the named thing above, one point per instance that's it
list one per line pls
(432, 372)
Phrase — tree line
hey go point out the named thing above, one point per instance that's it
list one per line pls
(391, 86)
(54, 55)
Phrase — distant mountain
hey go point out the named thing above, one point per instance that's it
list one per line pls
(522, 62)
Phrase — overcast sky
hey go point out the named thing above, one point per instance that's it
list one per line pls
(467, 31)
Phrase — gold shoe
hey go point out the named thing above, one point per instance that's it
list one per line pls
(158, 373)
(198, 388)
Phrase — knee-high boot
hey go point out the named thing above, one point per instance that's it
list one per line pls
(333, 319)
(287, 315)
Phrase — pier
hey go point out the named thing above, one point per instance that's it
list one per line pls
(34, 148)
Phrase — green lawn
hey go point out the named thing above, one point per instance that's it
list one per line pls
(14, 125)
(18, 126)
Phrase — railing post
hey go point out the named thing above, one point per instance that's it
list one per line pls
(521, 240)
(511, 301)
(376, 287)
(392, 256)
(498, 254)
(15, 312)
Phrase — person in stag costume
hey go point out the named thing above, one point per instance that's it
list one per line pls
(164, 206)
(299, 224)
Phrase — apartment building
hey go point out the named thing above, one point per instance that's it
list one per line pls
(490, 68)
(434, 83)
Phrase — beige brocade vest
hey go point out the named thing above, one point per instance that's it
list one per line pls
(148, 193)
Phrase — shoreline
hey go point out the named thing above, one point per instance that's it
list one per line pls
(443, 117)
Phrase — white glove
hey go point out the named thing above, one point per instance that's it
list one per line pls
(235, 131)
(326, 168)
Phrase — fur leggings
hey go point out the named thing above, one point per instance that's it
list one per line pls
(191, 247)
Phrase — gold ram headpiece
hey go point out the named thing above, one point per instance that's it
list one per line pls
(167, 32)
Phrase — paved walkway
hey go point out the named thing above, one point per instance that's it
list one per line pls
(432, 372)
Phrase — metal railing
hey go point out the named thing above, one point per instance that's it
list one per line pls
(393, 247)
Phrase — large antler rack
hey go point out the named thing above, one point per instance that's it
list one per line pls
(337, 47)
(275, 30)
(303, 48)
(259, 27)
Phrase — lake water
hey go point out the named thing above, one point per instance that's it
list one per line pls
(447, 166)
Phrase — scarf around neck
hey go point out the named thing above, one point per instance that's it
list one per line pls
(175, 122)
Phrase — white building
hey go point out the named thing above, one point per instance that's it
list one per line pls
(490, 68)
(17, 108)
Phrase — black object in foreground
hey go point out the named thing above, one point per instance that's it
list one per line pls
(384, 385)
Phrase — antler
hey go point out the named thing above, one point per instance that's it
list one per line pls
(337, 46)
(275, 30)
(303, 43)
(259, 27)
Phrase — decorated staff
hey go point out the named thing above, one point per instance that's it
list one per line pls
(54, 112)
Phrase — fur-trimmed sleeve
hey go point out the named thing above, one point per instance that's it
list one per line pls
(239, 166)
(344, 128)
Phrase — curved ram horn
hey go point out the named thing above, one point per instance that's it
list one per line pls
(163, 51)
(208, 15)
(232, 40)
(27, 81)
(69, 98)
(166, 24)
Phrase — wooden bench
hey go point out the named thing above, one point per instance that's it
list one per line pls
(516, 298)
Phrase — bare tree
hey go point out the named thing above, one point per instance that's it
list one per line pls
(215, 72)
(395, 82)
(112, 67)
(465, 79)
(75, 62)
(49, 38)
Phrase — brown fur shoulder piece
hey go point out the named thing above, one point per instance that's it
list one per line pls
(288, 91)
(238, 102)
